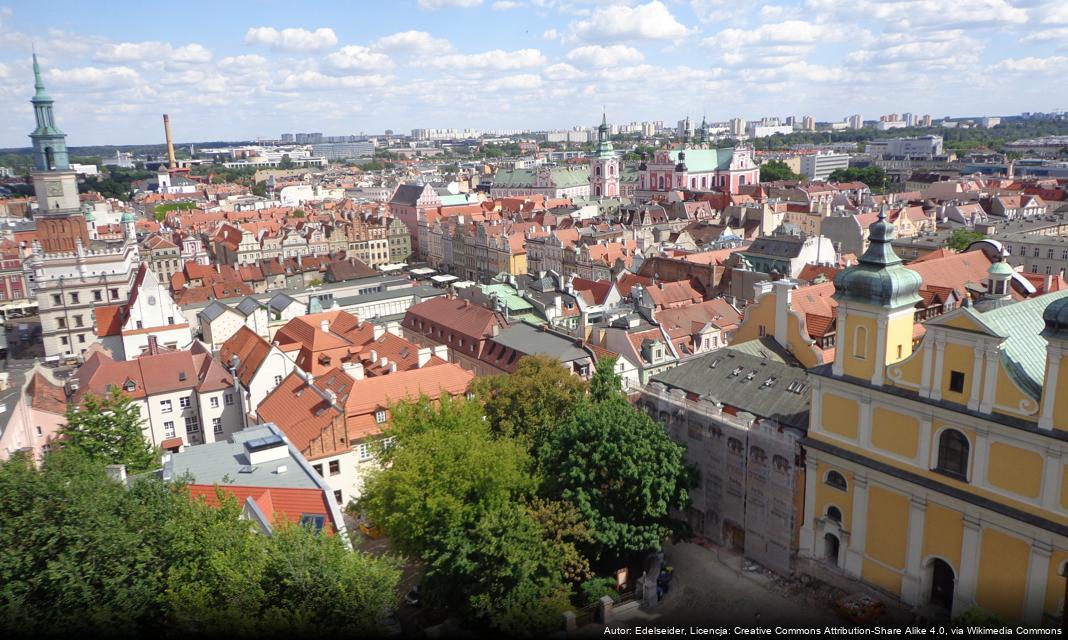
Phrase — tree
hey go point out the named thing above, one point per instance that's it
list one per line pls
(605, 383)
(774, 170)
(961, 238)
(298, 213)
(285, 162)
(873, 176)
(620, 470)
(457, 497)
(108, 430)
(530, 402)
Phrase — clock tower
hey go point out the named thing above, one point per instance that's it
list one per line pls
(59, 219)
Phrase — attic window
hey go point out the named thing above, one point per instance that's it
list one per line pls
(770, 382)
(181, 376)
(797, 387)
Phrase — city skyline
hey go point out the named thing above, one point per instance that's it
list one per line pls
(255, 70)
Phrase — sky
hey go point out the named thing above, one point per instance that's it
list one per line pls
(242, 69)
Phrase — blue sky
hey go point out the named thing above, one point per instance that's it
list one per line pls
(238, 70)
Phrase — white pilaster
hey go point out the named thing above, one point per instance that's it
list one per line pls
(1037, 577)
(1054, 352)
(816, 409)
(910, 585)
(864, 428)
(923, 448)
(925, 375)
(964, 591)
(807, 543)
(982, 448)
(880, 351)
(977, 365)
(936, 373)
(1052, 474)
(858, 527)
(990, 378)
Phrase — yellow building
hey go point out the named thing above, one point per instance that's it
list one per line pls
(938, 475)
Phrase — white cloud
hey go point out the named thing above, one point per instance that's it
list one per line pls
(292, 39)
(904, 15)
(412, 43)
(650, 21)
(250, 61)
(605, 56)
(1052, 64)
(133, 51)
(795, 71)
(512, 83)
(505, 5)
(311, 79)
(1045, 35)
(192, 53)
(431, 5)
(497, 59)
(94, 77)
(357, 57)
(550, 34)
(562, 71)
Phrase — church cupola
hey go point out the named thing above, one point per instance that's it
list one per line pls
(49, 143)
(876, 306)
(681, 166)
(998, 286)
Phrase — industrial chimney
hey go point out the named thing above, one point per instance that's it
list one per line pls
(170, 143)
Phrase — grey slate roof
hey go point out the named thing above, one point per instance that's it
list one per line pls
(248, 306)
(780, 247)
(221, 462)
(714, 376)
(407, 194)
(530, 340)
(213, 310)
(280, 302)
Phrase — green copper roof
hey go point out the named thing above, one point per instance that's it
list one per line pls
(704, 160)
(562, 177)
(38, 83)
(1001, 268)
(507, 294)
(1023, 324)
(879, 278)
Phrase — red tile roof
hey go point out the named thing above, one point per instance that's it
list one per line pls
(277, 503)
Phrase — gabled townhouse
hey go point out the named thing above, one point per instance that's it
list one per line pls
(463, 328)
(337, 419)
(260, 366)
(36, 418)
(185, 397)
(124, 329)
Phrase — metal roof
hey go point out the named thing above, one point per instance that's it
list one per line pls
(530, 340)
(1024, 348)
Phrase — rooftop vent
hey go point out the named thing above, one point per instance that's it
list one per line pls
(736, 371)
(246, 468)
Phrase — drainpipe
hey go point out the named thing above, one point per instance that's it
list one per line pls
(234, 362)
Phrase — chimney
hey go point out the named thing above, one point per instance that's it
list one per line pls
(383, 362)
(425, 354)
(331, 397)
(325, 326)
(153, 345)
(441, 351)
(378, 331)
(354, 369)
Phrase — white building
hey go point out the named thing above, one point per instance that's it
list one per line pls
(124, 329)
(820, 165)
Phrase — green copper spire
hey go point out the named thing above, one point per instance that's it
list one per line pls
(604, 141)
(49, 143)
(880, 278)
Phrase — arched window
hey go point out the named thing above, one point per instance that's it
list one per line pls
(953, 451)
(598, 189)
(836, 480)
(860, 342)
(661, 183)
(834, 513)
(50, 158)
(598, 170)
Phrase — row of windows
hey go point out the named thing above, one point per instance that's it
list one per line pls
(1036, 252)
(192, 425)
(953, 455)
(165, 406)
(75, 297)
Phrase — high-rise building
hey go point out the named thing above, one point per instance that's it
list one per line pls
(819, 166)
(75, 273)
(287, 138)
(737, 126)
(856, 122)
(808, 123)
(927, 120)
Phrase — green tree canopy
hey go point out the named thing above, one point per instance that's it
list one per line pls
(773, 170)
(109, 431)
(961, 238)
(530, 402)
(873, 176)
(622, 472)
(82, 554)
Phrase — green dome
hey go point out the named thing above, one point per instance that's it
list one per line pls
(1055, 318)
(1001, 268)
(128, 217)
(879, 278)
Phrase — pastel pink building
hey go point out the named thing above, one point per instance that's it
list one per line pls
(35, 420)
(697, 170)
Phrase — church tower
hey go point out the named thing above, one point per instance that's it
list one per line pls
(604, 166)
(876, 307)
(59, 220)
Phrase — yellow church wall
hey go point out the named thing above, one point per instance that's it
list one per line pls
(888, 516)
(1002, 574)
(853, 366)
(1010, 395)
(762, 313)
(1014, 469)
(943, 532)
(957, 357)
(1064, 487)
(911, 369)
(1055, 582)
(893, 432)
(962, 321)
(840, 415)
(898, 338)
(827, 495)
(1060, 400)
(880, 576)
